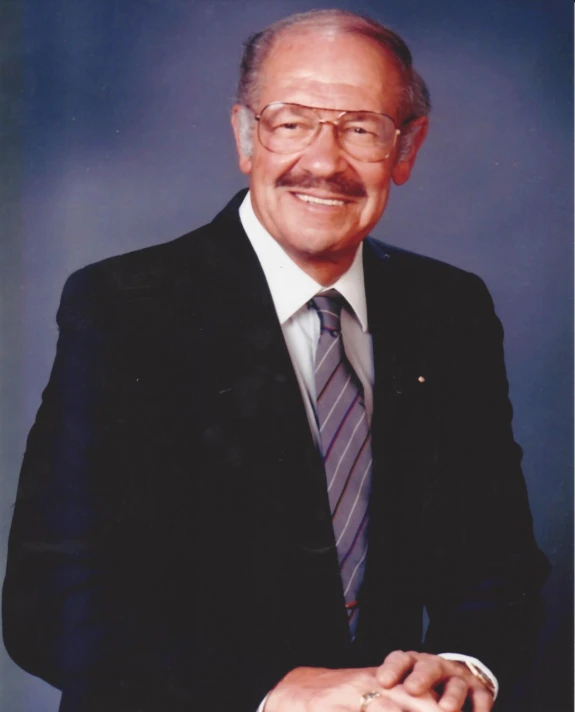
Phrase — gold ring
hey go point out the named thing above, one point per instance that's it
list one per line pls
(368, 698)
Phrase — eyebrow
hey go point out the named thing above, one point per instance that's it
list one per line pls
(297, 105)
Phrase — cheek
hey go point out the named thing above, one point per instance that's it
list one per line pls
(376, 202)
(378, 187)
(268, 167)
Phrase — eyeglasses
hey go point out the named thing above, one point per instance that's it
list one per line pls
(289, 128)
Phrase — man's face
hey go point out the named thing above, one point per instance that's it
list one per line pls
(337, 71)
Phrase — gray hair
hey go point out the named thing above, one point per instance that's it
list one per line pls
(415, 101)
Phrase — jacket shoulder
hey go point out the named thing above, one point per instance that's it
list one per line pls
(422, 265)
(424, 279)
(141, 268)
(137, 285)
(160, 265)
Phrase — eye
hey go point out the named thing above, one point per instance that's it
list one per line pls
(291, 127)
(359, 132)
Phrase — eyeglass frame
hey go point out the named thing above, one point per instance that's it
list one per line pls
(321, 121)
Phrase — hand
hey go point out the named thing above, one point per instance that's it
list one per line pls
(323, 690)
(426, 672)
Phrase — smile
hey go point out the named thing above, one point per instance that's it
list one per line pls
(319, 201)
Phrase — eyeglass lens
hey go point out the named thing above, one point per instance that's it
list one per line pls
(288, 128)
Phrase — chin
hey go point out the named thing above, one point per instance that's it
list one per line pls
(326, 249)
(313, 243)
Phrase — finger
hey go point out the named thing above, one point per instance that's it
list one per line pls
(385, 705)
(382, 703)
(395, 666)
(408, 703)
(426, 674)
(454, 694)
(482, 699)
(394, 703)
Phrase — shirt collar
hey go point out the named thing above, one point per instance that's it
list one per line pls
(291, 288)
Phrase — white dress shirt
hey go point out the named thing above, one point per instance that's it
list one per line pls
(292, 289)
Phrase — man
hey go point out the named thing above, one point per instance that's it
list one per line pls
(267, 445)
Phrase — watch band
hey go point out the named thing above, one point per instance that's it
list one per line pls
(477, 669)
(480, 675)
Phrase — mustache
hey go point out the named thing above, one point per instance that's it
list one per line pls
(337, 184)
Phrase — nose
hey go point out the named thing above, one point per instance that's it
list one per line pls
(324, 156)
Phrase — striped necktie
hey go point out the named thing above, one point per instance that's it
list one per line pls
(345, 446)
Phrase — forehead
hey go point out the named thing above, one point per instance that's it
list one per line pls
(333, 71)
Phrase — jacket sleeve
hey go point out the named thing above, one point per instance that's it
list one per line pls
(88, 604)
(63, 620)
(485, 601)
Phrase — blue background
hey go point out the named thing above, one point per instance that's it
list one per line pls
(115, 135)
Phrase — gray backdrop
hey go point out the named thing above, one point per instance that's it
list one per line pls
(115, 134)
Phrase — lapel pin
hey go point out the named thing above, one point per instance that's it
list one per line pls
(421, 379)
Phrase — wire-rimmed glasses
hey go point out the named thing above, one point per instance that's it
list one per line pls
(289, 128)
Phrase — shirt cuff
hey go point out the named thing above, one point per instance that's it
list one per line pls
(262, 703)
(458, 658)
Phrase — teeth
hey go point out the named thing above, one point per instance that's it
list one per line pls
(319, 201)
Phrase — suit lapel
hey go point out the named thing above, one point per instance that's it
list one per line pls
(385, 324)
(398, 451)
(255, 373)
(405, 419)
(258, 405)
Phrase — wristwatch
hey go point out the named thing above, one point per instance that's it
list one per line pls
(477, 672)
(476, 669)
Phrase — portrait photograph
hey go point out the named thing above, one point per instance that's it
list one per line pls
(286, 355)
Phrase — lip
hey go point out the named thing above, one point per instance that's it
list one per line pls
(320, 196)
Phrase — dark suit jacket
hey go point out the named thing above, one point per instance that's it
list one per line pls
(171, 547)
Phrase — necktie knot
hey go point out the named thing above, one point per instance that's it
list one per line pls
(329, 305)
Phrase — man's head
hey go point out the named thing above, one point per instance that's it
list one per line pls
(335, 62)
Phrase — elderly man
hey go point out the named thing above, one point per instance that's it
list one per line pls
(265, 447)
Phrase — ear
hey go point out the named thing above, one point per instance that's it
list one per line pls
(244, 159)
(414, 136)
